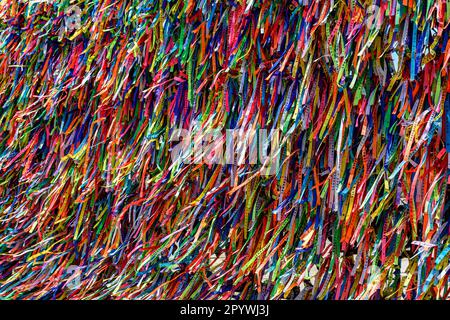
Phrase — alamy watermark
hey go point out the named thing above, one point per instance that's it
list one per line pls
(239, 147)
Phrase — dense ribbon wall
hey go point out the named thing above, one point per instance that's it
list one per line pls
(93, 205)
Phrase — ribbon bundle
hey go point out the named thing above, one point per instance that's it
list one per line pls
(92, 91)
